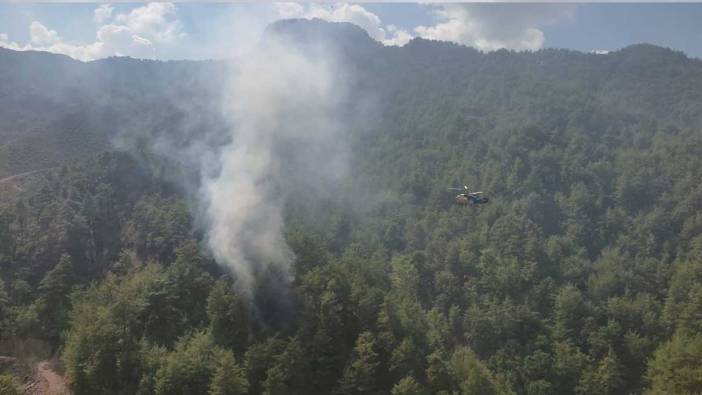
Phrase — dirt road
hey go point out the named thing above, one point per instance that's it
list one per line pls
(48, 382)
(16, 176)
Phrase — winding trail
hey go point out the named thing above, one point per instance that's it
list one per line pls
(48, 381)
(20, 175)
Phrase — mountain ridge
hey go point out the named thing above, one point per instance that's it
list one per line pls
(35, 103)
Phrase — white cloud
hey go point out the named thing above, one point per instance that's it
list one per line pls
(137, 33)
(290, 10)
(43, 39)
(352, 13)
(398, 37)
(154, 21)
(494, 26)
(40, 35)
(6, 43)
(120, 40)
(154, 29)
(103, 13)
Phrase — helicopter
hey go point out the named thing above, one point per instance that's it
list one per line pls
(469, 198)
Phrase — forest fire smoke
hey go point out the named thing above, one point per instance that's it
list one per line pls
(280, 99)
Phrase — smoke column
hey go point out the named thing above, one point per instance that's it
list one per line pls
(280, 104)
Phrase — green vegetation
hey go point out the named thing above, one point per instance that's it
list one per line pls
(583, 275)
(8, 386)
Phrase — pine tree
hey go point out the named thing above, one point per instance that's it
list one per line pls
(407, 386)
(360, 376)
(229, 378)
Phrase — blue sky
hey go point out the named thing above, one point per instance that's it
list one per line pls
(196, 31)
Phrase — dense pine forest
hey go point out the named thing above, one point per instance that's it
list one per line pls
(583, 275)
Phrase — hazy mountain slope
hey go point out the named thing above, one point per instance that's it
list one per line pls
(54, 109)
(46, 96)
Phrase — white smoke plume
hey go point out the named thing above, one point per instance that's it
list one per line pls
(281, 103)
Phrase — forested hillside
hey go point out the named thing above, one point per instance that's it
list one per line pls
(55, 109)
(583, 275)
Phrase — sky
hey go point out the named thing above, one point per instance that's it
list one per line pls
(220, 30)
